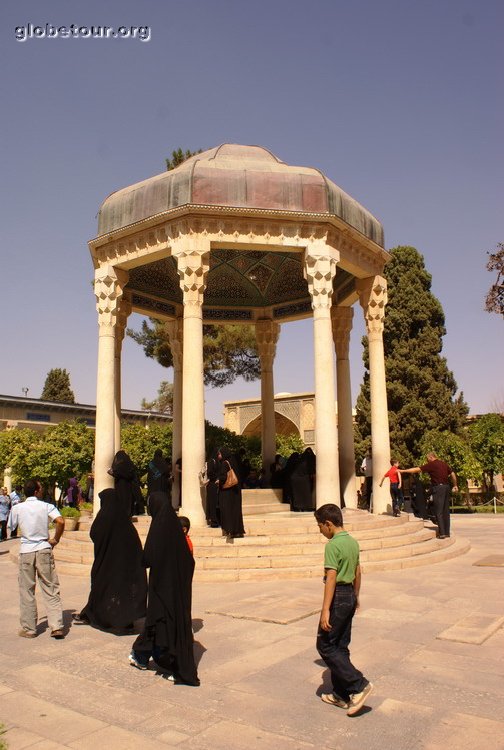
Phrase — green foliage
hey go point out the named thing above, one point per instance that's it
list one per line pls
(61, 452)
(456, 451)
(421, 390)
(68, 512)
(57, 387)
(288, 444)
(140, 442)
(178, 157)
(66, 450)
(164, 401)
(228, 351)
(494, 301)
(486, 437)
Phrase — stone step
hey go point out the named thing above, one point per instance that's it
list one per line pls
(262, 547)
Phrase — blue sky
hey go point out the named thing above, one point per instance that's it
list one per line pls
(399, 102)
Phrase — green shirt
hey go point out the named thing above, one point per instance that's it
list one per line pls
(342, 555)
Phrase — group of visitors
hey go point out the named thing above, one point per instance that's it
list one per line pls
(296, 478)
(7, 502)
(225, 474)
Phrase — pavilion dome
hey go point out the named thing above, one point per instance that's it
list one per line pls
(236, 176)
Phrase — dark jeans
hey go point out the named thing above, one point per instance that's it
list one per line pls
(441, 503)
(333, 645)
(397, 497)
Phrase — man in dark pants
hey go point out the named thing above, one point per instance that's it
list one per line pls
(440, 474)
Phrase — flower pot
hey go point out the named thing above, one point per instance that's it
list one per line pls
(71, 523)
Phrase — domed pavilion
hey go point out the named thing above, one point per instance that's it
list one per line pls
(235, 235)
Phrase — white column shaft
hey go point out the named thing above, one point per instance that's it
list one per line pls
(345, 434)
(176, 433)
(193, 415)
(380, 439)
(326, 439)
(268, 434)
(105, 411)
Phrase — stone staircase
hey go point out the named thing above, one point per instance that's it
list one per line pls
(284, 545)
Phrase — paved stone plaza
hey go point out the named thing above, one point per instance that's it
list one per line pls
(431, 639)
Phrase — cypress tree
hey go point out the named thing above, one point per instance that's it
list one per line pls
(421, 390)
(57, 387)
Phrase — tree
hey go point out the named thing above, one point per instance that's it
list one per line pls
(494, 301)
(164, 401)
(17, 451)
(421, 390)
(57, 387)
(456, 451)
(486, 437)
(228, 351)
(66, 450)
(140, 442)
(178, 157)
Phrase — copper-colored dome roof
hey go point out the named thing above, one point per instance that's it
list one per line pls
(238, 176)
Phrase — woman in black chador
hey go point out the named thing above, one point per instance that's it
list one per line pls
(302, 482)
(126, 483)
(212, 492)
(118, 593)
(167, 634)
(230, 500)
(158, 475)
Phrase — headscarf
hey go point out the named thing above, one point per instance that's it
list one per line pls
(168, 624)
(122, 466)
(118, 579)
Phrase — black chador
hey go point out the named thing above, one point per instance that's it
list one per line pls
(118, 593)
(168, 625)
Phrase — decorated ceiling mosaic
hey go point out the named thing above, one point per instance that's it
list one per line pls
(236, 279)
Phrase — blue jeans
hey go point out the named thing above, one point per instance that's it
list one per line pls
(333, 645)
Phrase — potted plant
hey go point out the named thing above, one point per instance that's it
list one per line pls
(71, 516)
(86, 509)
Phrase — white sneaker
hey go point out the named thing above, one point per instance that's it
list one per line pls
(358, 700)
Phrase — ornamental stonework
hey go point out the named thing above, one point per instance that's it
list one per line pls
(341, 319)
(373, 298)
(267, 332)
(109, 284)
(319, 273)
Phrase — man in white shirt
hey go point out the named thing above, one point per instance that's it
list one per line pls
(36, 560)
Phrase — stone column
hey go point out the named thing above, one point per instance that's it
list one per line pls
(123, 314)
(108, 286)
(342, 318)
(193, 256)
(373, 298)
(320, 269)
(7, 479)
(174, 329)
(267, 332)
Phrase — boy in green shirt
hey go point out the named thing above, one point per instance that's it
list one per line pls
(341, 599)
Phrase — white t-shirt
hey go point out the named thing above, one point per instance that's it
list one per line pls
(32, 518)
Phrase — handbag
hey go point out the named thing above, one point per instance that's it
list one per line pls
(231, 479)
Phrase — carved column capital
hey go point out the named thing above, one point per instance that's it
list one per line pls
(267, 332)
(319, 271)
(123, 313)
(373, 298)
(193, 261)
(109, 285)
(342, 319)
(175, 332)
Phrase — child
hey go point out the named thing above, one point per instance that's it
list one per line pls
(341, 598)
(395, 487)
(186, 525)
